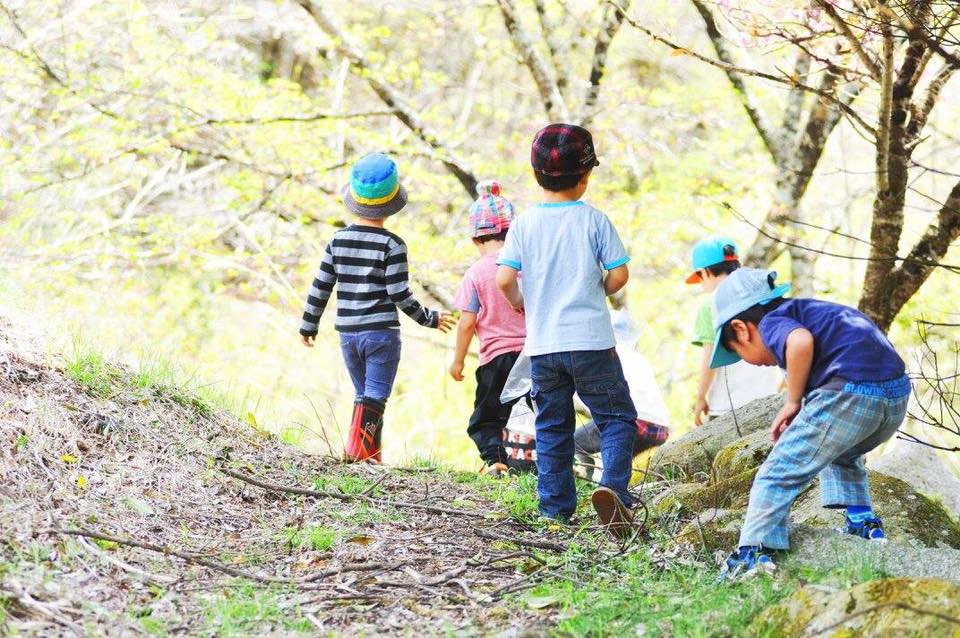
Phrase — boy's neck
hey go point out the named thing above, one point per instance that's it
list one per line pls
(554, 197)
(491, 247)
(376, 223)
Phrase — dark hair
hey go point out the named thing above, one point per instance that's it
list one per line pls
(557, 183)
(753, 315)
(725, 267)
(501, 236)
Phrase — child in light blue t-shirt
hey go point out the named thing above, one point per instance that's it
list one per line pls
(572, 258)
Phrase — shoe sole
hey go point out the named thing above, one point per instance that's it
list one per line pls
(613, 514)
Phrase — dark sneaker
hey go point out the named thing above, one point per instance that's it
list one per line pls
(615, 517)
(746, 563)
(869, 528)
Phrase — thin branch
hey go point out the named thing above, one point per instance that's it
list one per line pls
(311, 117)
(852, 39)
(275, 487)
(610, 24)
(549, 29)
(734, 74)
(553, 102)
(397, 102)
(202, 561)
(779, 79)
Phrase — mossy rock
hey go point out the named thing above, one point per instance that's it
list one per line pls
(688, 498)
(694, 452)
(742, 455)
(713, 529)
(888, 607)
(908, 516)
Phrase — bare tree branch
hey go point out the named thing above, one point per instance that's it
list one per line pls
(610, 24)
(851, 38)
(390, 96)
(549, 29)
(794, 107)
(736, 77)
(553, 102)
(743, 71)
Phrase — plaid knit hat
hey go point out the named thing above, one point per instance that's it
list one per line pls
(490, 214)
(563, 149)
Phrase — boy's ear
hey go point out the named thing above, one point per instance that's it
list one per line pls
(585, 178)
(741, 329)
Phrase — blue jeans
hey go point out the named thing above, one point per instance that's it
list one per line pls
(597, 377)
(372, 358)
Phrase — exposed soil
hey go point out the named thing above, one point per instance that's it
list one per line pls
(134, 513)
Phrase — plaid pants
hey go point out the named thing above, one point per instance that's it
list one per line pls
(838, 424)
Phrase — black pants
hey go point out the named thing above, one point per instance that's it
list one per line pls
(489, 416)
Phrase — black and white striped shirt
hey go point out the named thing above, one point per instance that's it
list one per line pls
(369, 266)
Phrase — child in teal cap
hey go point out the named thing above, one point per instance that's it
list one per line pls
(847, 393)
(368, 264)
(727, 389)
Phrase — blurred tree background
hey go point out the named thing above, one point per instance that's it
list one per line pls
(170, 171)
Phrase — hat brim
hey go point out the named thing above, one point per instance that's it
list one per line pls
(379, 211)
(723, 356)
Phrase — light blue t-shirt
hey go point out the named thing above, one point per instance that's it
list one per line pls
(563, 250)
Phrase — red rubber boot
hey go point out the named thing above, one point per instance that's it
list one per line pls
(366, 426)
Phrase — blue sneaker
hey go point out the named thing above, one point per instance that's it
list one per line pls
(747, 562)
(869, 528)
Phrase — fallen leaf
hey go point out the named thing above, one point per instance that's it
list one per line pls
(363, 539)
(542, 602)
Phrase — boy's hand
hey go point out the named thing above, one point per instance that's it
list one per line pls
(456, 370)
(783, 419)
(307, 340)
(518, 307)
(446, 321)
(700, 410)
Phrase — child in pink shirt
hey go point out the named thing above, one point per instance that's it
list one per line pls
(486, 312)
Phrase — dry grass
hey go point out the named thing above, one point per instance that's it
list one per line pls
(129, 460)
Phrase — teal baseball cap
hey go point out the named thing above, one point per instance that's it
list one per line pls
(710, 252)
(742, 289)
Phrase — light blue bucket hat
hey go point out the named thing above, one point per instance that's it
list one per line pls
(742, 289)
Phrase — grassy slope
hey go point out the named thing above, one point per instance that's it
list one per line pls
(132, 455)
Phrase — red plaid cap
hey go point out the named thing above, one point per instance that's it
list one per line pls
(563, 149)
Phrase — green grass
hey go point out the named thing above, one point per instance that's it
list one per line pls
(90, 370)
(153, 378)
(346, 484)
(316, 537)
(628, 593)
(250, 610)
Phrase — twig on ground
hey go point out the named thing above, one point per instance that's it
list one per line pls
(275, 487)
(516, 540)
(201, 561)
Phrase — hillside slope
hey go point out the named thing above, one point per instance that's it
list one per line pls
(125, 511)
(131, 507)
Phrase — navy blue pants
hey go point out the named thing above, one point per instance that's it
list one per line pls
(597, 377)
(372, 359)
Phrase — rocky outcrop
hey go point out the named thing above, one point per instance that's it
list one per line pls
(694, 453)
(887, 607)
(923, 469)
(908, 515)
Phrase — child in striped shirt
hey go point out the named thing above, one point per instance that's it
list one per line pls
(369, 265)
